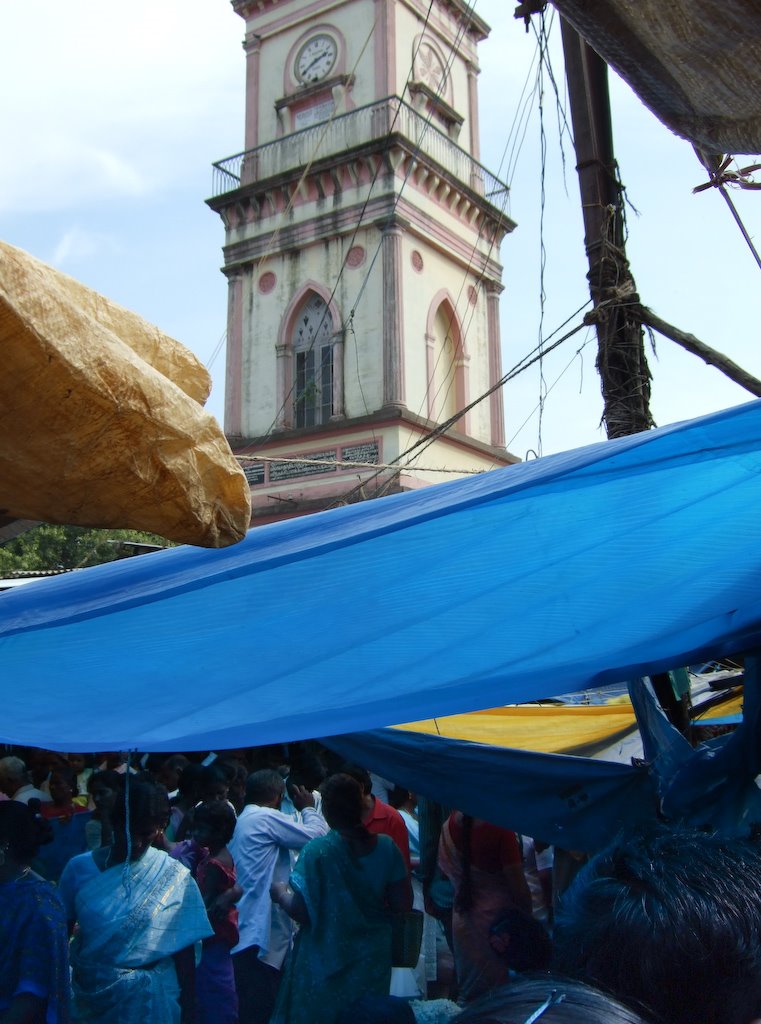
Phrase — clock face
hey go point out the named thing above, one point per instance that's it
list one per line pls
(315, 59)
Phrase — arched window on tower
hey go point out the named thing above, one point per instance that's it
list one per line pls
(447, 364)
(313, 364)
(442, 378)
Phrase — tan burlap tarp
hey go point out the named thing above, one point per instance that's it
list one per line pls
(101, 421)
(695, 63)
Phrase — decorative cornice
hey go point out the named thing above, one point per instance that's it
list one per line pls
(248, 8)
(462, 11)
(344, 222)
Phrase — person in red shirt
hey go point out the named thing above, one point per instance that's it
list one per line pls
(484, 864)
(379, 818)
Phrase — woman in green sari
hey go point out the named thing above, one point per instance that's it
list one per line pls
(341, 892)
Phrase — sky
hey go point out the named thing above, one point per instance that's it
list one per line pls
(113, 116)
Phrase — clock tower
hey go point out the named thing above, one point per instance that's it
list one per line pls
(362, 240)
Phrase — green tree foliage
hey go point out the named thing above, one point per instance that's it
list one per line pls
(70, 547)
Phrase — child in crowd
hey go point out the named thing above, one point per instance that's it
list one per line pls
(213, 825)
(80, 763)
(188, 795)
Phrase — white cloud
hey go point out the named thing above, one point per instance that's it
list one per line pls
(59, 172)
(77, 244)
(102, 103)
(118, 174)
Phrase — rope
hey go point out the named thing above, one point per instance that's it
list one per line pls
(720, 177)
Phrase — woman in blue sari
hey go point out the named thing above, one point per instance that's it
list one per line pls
(139, 914)
(341, 891)
(34, 945)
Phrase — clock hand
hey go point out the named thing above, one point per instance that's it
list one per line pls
(315, 61)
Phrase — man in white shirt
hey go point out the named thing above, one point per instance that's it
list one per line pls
(16, 782)
(261, 848)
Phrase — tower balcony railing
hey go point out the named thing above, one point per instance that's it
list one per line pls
(351, 130)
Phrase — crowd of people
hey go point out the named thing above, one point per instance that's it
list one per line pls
(274, 886)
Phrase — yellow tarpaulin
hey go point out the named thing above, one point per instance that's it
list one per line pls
(101, 421)
(552, 728)
(727, 708)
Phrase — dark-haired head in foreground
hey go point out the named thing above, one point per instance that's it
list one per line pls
(21, 835)
(669, 920)
(342, 802)
(139, 812)
(213, 825)
(547, 1000)
(541, 1000)
(265, 788)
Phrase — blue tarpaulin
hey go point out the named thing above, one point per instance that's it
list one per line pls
(590, 567)
(574, 802)
(580, 803)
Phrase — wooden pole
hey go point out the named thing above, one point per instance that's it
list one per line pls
(699, 348)
(621, 361)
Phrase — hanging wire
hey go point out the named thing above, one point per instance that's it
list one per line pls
(126, 871)
(418, 146)
(307, 460)
(350, 329)
(564, 127)
(523, 364)
(449, 379)
(521, 119)
(217, 349)
(529, 360)
(548, 338)
(557, 380)
(520, 142)
(427, 441)
(542, 40)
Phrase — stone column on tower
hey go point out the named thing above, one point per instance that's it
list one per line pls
(393, 353)
(234, 367)
(496, 403)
